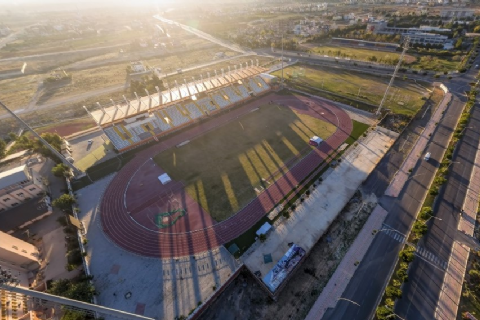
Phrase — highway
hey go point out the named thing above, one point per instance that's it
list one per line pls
(367, 284)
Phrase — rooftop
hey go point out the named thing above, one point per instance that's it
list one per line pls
(12, 176)
(106, 116)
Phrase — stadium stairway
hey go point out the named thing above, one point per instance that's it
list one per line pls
(214, 102)
(183, 111)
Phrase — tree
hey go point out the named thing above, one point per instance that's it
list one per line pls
(393, 292)
(60, 170)
(73, 315)
(383, 313)
(13, 136)
(458, 44)
(3, 148)
(80, 290)
(406, 255)
(64, 202)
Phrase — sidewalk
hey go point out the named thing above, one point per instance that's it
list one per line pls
(340, 279)
(451, 293)
(403, 173)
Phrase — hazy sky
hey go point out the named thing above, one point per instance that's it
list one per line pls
(81, 3)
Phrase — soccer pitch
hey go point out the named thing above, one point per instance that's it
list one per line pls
(225, 168)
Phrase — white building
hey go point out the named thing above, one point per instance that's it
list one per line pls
(18, 253)
(17, 185)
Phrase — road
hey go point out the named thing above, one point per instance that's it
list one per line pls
(423, 289)
(54, 54)
(204, 35)
(367, 285)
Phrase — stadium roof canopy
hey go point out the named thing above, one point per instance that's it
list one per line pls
(130, 108)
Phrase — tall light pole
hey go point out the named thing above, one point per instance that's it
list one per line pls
(282, 58)
(432, 217)
(400, 59)
(45, 143)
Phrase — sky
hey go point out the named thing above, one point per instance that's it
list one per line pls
(80, 3)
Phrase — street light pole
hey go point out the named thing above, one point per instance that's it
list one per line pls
(348, 301)
(282, 58)
(431, 218)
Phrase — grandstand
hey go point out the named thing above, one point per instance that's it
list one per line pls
(134, 122)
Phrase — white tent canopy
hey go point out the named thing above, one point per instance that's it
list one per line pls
(164, 178)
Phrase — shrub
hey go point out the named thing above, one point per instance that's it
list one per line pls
(426, 213)
(383, 313)
(419, 228)
(402, 275)
(406, 255)
(262, 237)
(389, 302)
(393, 292)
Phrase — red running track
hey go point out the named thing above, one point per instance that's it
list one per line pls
(132, 236)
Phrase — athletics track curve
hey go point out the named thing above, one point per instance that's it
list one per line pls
(127, 233)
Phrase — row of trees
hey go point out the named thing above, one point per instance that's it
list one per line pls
(146, 82)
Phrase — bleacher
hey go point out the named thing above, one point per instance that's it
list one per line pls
(118, 142)
(193, 110)
(162, 123)
(159, 120)
(232, 95)
(207, 104)
(220, 100)
(175, 115)
(262, 82)
(253, 84)
(243, 91)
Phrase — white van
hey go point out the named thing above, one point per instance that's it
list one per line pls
(427, 156)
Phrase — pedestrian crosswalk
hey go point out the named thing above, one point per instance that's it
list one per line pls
(427, 255)
(389, 231)
(420, 251)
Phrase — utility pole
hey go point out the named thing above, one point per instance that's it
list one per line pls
(405, 48)
(282, 58)
(76, 171)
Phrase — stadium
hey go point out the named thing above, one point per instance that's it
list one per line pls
(230, 151)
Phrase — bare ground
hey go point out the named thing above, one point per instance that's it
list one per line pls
(244, 299)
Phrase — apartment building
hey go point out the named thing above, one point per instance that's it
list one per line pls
(17, 185)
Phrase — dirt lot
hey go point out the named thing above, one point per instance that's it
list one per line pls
(244, 299)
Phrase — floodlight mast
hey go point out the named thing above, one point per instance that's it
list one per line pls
(76, 171)
(405, 48)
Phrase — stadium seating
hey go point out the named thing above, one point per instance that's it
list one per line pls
(253, 84)
(161, 120)
(206, 103)
(175, 115)
(231, 94)
(243, 91)
(220, 100)
(193, 110)
(265, 86)
(118, 142)
(163, 125)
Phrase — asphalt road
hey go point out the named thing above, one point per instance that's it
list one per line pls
(368, 282)
(422, 291)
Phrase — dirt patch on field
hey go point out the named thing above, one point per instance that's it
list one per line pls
(69, 127)
(244, 299)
